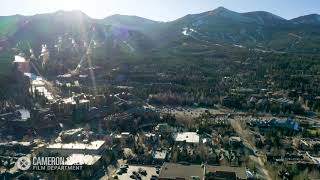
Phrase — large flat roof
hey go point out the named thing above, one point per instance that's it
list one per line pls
(239, 171)
(82, 159)
(174, 171)
(189, 137)
(94, 145)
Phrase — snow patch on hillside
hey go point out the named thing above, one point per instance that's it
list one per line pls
(239, 46)
(188, 31)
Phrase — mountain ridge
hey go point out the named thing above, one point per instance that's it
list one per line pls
(313, 19)
(218, 26)
(221, 8)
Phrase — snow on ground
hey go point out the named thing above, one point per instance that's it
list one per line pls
(239, 46)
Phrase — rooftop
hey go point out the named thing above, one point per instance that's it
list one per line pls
(160, 155)
(22, 143)
(19, 59)
(235, 139)
(82, 159)
(176, 171)
(239, 171)
(94, 145)
(69, 101)
(125, 134)
(189, 137)
(72, 131)
(25, 114)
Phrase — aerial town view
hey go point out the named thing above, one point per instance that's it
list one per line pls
(160, 90)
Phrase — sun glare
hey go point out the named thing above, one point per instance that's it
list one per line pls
(87, 6)
(83, 5)
(73, 4)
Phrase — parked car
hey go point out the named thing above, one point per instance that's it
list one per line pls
(154, 177)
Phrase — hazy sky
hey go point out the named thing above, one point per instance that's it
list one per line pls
(162, 10)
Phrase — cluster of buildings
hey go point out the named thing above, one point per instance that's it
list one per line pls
(266, 100)
(118, 124)
(174, 171)
(285, 124)
(182, 154)
(280, 139)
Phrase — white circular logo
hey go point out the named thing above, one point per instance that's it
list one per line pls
(23, 163)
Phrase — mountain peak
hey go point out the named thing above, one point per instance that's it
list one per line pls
(219, 10)
(128, 19)
(221, 13)
(76, 13)
(312, 19)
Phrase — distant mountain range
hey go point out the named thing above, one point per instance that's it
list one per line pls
(253, 30)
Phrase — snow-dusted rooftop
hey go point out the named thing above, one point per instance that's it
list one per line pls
(72, 131)
(160, 155)
(94, 145)
(69, 101)
(19, 59)
(84, 101)
(22, 143)
(25, 114)
(82, 159)
(189, 137)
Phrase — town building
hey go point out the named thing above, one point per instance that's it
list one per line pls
(226, 172)
(159, 156)
(22, 64)
(94, 147)
(82, 159)
(174, 171)
(188, 137)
